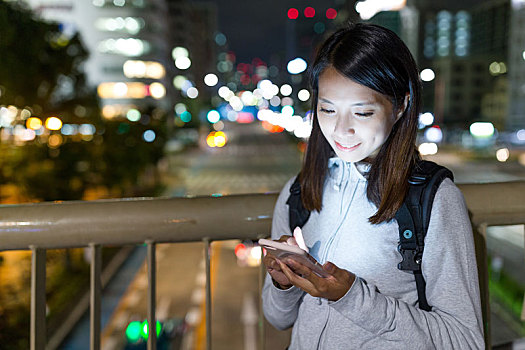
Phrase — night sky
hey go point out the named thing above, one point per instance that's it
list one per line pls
(255, 28)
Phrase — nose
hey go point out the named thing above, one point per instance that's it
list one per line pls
(344, 125)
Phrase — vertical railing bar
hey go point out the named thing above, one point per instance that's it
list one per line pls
(38, 299)
(262, 275)
(95, 293)
(207, 254)
(152, 294)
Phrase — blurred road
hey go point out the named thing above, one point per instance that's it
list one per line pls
(252, 161)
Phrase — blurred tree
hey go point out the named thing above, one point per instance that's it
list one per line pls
(41, 70)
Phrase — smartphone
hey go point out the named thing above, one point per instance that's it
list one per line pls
(281, 250)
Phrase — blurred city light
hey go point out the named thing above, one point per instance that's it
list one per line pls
(293, 13)
(236, 103)
(192, 92)
(183, 62)
(122, 90)
(303, 95)
(427, 74)
(149, 135)
(368, 8)
(124, 46)
(211, 79)
(426, 119)
(180, 108)
(520, 134)
(219, 126)
(482, 129)
(143, 69)
(296, 66)
(287, 110)
(331, 13)
(428, 148)
(53, 123)
(133, 331)
(179, 52)
(502, 154)
(54, 141)
(33, 123)
(497, 68)
(87, 129)
(287, 101)
(309, 12)
(179, 81)
(157, 90)
(275, 101)
(133, 115)
(185, 116)
(131, 25)
(144, 329)
(220, 39)
(216, 139)
(286, 90)
(213, 116)
(434, 134)
(220, 139)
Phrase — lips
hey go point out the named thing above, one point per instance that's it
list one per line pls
(346, 148)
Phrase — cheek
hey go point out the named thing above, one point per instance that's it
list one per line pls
(326, 126)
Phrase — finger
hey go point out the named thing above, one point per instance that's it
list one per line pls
(304, 271)
(295, 279)
(292, 241)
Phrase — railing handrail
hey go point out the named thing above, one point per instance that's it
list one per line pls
(134, 221)
(53, 225)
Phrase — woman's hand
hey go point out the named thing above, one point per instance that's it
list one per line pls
(333, 287)
(273, 267)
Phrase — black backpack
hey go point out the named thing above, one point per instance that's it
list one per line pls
(413, 218)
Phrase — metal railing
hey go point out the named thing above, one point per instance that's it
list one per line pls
(43, 226)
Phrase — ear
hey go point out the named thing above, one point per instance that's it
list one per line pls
(402, 110)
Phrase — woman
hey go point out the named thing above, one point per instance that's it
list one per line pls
(366, 103)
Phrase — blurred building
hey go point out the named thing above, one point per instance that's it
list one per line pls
(468, 52)
(129, 56)
(516, 66)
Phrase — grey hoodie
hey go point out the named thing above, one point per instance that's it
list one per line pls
(380, 310)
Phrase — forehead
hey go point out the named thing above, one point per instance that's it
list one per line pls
(335, 87)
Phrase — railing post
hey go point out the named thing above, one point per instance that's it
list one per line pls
(262, 275)
(38, 298)
(95, 296)
(207, 253)
(152, 282)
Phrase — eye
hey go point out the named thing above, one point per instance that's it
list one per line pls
(327, 111)
(364, 114)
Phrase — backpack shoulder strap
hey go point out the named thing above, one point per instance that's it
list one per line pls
(298, 214)
(413, 218)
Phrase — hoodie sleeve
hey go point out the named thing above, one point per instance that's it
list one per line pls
(280, 306)
(452, 289)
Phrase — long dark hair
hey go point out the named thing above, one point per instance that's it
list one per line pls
(377, 58)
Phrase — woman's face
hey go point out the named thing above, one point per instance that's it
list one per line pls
(354, 119)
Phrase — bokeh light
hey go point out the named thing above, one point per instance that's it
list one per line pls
(53, 123)
(213, 116)
(502, 154)
(211, 79)
(33, 123)
(293, 13)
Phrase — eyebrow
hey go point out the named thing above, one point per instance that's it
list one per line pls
(364, 103)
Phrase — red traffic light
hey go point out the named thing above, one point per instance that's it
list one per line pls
(331, 13)
(309, 12)
(293, 13)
